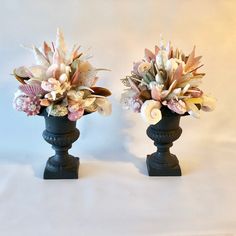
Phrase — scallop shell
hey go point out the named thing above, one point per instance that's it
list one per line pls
(150, 111)
(32, 89)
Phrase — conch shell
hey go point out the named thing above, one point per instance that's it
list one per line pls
(150, 111)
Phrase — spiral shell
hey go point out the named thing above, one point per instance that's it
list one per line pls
(150, 111)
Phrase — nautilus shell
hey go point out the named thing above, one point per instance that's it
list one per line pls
(150, 111)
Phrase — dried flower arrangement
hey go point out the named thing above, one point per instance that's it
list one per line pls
(166, 78)
(60, 82)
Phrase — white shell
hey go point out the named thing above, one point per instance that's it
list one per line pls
(150, 111)
(208, 104)
(104, 106)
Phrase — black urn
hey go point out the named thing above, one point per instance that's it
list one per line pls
(60, 132)
(164, 133)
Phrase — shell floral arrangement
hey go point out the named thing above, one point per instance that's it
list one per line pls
(166, 78)
(62, 83)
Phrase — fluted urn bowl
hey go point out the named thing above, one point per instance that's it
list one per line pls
(164, 133)
(60, 132)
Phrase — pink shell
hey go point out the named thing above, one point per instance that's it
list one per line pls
(177, 106)
(32, 89)
(73, 116)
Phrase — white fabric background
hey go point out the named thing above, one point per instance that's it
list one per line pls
(114, 195)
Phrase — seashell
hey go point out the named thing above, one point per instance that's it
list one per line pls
(57, 110)
(23, 72)
(156, 90)
(208, 103)
(40, 58)
(84, 66)
(144, 67)
(92, 108)
(74, 116)
(171, 65)
(45, 102)
(101, 91)
(38, 72)
(149, 56)
(159, 79)
(177, 106)
(136, 105)
(52, 71)
(51, 85)
(60, 42)
(135, 67)
(157, 49)
(185, 89)
(194, 92)
(63, 78)
(73, 108)
(75, 95)
(57, 58)
(133, 85)
(89, 101)
(161, 59)
(46, 49)
(75, 78)
(177, 74)
(193, 82)
(144, 95)
(104, 106)
(165, 93)
(150, 111)
(32, 89)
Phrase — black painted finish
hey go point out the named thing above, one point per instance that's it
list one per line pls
(61, 133)
(164, 133)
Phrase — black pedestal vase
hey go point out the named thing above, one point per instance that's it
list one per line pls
(60, 132)
(164, 133)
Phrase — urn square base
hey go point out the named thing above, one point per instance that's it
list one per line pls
(159, 169)
(57, 171)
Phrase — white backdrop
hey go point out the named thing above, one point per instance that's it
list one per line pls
(114, 196)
